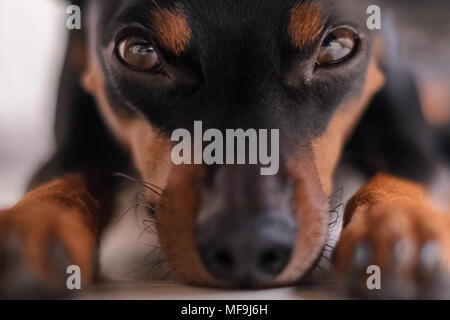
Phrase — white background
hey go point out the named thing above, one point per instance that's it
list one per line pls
(32, 42)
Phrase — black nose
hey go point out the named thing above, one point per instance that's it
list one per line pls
(246, 251)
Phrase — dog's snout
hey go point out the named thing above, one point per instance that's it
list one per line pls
(257, 261)
(246, 251)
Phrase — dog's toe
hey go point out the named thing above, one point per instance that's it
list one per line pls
(21, 279)
(37, 247)
(402, 255)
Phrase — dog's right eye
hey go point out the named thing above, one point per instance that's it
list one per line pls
(138, 54)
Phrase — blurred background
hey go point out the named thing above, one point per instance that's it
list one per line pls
(32, 42)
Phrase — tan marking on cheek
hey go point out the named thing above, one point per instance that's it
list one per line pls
(306, 24)
(328, 148)
(93, 82)
(176, 225)
(311, 208)
(177, 206)
(149, 150)
(435, 98)
(172, 29)
(151, 153)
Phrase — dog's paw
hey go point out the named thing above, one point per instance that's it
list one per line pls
(395, 252)
(37, 245)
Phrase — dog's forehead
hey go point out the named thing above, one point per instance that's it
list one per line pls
(207, 16)
(215, 8)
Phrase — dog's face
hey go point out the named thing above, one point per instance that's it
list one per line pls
(303, 67)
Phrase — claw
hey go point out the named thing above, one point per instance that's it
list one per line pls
(362, 256)
(16, 279)
(10, 251)
(402, 256)
(399, 250)
(433, 279)
(430, 257)
(355, 284)
(58, 256)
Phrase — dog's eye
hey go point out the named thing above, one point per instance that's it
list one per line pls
(337, 46)
(138, 54)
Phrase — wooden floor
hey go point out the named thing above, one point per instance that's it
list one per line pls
(177, 292)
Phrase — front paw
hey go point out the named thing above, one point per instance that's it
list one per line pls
(37, 245)
(408, 245)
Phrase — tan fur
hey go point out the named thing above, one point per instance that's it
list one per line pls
(150, 151)
(435, 98)
(388, 210)
(176, 225)
(63, 212)
(328, 148)
(172, 29)
(306, 24)
(384, 189)
(311, 207)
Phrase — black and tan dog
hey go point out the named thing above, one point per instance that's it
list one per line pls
(138, 70)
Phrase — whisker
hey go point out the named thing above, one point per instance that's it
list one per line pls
(117, 188)
(150, 254)
(152, 225)
(126, 212)
(154, 269)
(167, 275)
(143, 203)
(149, 206)
(123, 175)
(147, 185)
(152, 222)
(338, 194)
(135, 207)
(149, 230)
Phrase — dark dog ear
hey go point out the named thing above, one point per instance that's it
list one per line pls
(76, 54)
(393, 136)
(76, 49)
(83, 141)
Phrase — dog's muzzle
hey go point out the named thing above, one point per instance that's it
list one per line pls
(246, 230)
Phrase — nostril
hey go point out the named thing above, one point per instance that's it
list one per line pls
(274, 260)
(224, 259)
(269, 258)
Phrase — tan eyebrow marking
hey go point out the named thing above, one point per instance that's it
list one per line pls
(306, 23)
(172, 29)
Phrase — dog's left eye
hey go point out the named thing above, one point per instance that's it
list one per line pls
(337, 47)
(138, 54)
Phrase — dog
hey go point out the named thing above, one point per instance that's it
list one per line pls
(139, 70)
